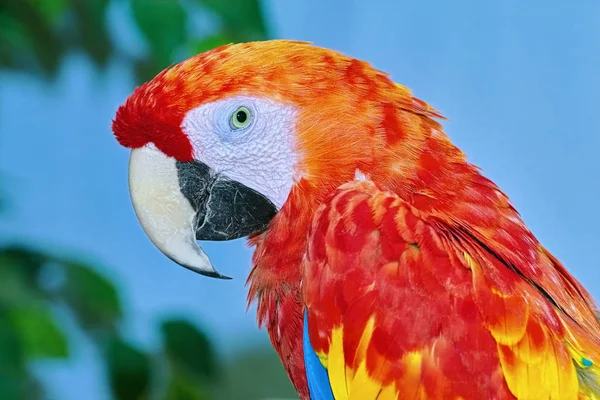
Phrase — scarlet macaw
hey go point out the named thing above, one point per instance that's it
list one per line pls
(386, 266)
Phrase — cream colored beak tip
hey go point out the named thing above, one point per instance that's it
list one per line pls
(164, 213)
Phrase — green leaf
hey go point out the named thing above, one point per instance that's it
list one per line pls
(10, 386)
(209, 43)
(129, 370)
(19, 386)
(163, 24)
(90, 17)
(13, 40)
(40, 334)
(189, 349)
(11, 349)
(51, 10)
(242, 19)
(12, 360)
(25, 259)
(92, 297)
(181, 387)
(44, 45)
(145, 69)
(19, 268)
(255, 374)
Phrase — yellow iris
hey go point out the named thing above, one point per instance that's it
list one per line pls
(241, 118)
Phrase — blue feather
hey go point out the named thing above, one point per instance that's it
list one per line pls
(316, 374)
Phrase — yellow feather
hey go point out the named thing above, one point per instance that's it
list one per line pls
(388, 392)
(361, 351)
(336, 365)
(364, 387)
(552, 377)
(349, 384)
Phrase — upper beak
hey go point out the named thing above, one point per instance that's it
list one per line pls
(177, 203)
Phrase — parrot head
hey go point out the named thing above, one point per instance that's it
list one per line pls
(220, 141)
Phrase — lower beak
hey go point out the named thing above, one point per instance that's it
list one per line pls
(178, 203)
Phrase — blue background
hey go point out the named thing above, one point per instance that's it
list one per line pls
(520, 85)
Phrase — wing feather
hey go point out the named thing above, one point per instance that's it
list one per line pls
(316, 374)
(402, 304)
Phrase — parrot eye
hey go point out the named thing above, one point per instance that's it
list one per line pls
(241, 118)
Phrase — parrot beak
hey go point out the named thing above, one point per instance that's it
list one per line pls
(178, 203)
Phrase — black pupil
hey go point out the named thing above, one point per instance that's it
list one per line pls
(241, 116)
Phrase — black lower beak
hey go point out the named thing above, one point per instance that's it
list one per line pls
(178, 204)
(225, 209)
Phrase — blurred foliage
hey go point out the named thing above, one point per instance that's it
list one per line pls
(255, 374)
(35, 35)
(34, 286)
(38, 290)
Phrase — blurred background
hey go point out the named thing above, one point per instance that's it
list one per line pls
(89, 309)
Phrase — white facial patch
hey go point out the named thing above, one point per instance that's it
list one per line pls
(360, 176)
(259, 155)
